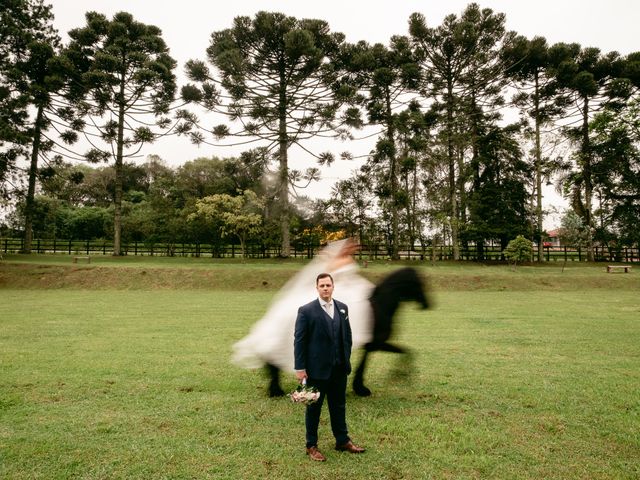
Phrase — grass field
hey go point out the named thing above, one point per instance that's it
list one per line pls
(107, 372)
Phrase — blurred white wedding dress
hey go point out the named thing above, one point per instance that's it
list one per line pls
(271, 338)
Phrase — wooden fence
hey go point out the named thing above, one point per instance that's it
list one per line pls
(298, 250)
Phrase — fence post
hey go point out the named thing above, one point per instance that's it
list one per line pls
(579, 254)
(87, 247)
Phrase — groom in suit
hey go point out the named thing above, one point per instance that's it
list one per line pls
(322, 351)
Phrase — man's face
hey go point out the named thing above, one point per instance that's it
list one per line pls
(325, 288)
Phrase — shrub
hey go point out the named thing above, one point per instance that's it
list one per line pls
(519, 249)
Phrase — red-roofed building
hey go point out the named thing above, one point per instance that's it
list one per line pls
(553, 239)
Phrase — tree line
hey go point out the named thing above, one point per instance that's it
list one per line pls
(446, 167)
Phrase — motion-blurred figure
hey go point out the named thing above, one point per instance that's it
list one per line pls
(371, 312)
(270, 341)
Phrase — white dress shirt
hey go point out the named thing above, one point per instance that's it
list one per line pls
(327, 306)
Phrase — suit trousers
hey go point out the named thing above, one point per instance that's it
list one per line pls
(335, 390)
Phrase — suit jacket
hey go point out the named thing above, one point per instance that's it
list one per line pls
(313, 342)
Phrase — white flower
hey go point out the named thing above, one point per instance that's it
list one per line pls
(342, 310)
(305, 395)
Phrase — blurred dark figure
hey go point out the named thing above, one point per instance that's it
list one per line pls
(404, 285)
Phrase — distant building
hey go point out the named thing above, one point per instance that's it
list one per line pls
(553, 238)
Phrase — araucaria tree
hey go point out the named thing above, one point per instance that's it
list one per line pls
(22, 22)
(384, 78)
(462, 75)
(274, 81)
(592, 80)
(130, 82)
(530, 65)
(29, 75)
(616, 169)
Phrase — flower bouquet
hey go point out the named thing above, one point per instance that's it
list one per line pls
(305, 395)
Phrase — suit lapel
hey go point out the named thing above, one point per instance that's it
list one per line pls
(337, 314)
(338, 309)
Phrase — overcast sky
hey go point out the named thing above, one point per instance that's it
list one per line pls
(187, 25)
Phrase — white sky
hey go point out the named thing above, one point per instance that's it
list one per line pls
(188, 24)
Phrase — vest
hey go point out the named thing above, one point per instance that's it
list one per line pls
(336, 334)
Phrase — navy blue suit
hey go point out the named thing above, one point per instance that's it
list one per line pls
(322, 347)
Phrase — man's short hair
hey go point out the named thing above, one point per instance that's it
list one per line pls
(324, 275)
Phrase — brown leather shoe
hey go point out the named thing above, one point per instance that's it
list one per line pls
(349, 447)
(314, 454)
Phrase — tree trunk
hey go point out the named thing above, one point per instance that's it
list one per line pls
(475, 167)
(461, 196)
(283, 172)
(586, 173)
(453, 207)
(33, 175)
(416, 230)
(536, 100)
(117, 218)
(393, 167)
(408, 210)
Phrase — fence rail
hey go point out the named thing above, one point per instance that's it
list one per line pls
(298, 250)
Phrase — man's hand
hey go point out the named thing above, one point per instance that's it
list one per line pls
(301, 375)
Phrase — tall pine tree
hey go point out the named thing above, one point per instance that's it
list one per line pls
(130, 81)
(274, 80)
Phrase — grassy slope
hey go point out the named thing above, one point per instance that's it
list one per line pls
(150, 273)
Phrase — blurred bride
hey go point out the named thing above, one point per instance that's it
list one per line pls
(270, 340)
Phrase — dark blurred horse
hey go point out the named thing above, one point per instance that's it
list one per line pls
(403, 285)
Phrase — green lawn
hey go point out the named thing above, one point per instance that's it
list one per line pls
(508, 384)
